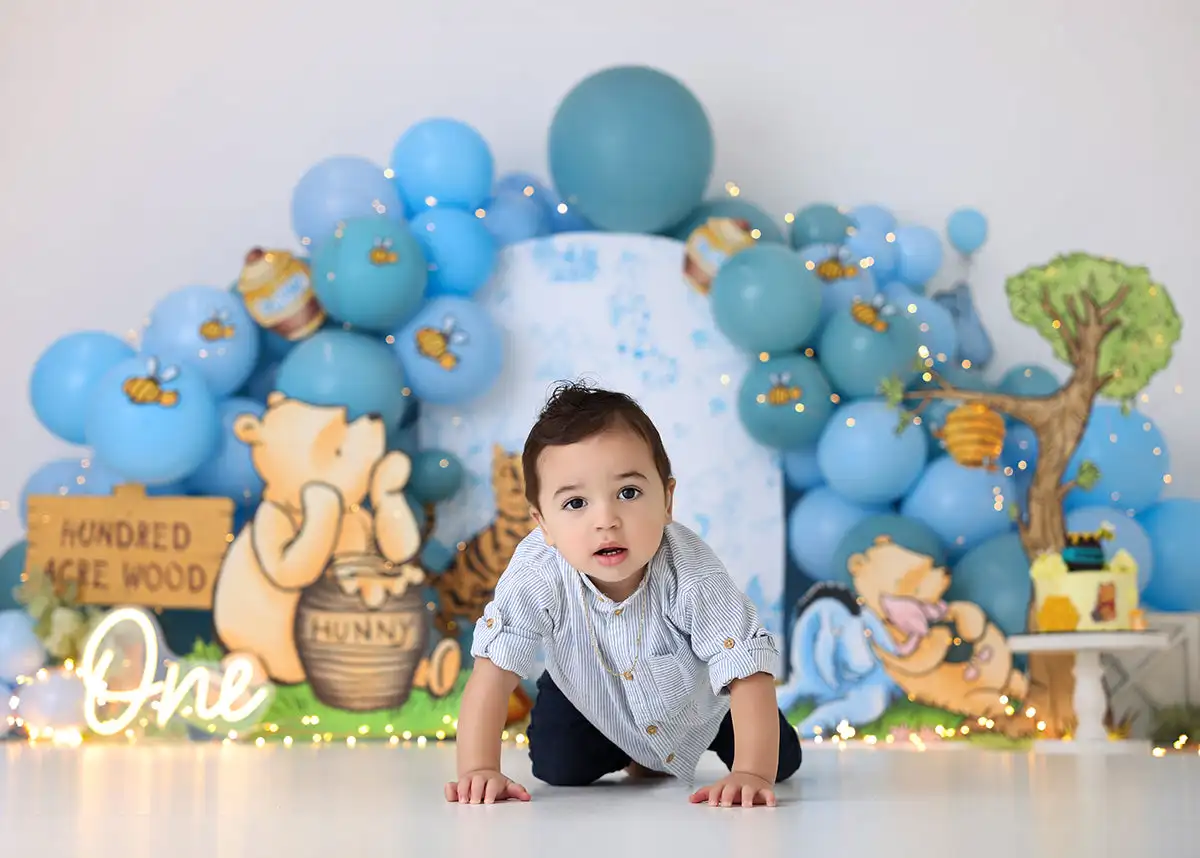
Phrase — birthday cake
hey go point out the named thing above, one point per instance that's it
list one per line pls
(1080, 590)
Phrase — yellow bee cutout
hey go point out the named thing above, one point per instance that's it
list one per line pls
(782, 390)
(835, 269)
(973, 435)
(217, 327)
(435, 343)
(382, 253)
(148, 389)
(872, 314)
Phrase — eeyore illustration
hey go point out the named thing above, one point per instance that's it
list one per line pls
(832, 661)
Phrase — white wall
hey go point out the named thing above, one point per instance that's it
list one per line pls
(145, 146)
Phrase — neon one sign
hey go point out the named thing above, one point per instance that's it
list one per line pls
(170, 692)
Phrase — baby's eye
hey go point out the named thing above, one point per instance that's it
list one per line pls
(574, 503)
(629, 493)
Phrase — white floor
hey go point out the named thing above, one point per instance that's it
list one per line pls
(231, 801)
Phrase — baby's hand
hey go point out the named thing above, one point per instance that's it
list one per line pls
(484, 787)
(736, 787)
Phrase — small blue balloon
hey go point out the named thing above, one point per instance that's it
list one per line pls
(511, 218)
(800, 468)
(816, 526)
(452, 351)
(526, 185)
(735, 209)
(442, 162)
(632, 148)
(229, 471)
(345, 368)
(764, 298)
(12, 567)
(460, 250)
(21, 652)
(905, 532)
(784, 402)
(437, 475)
(861, 348)
(864, 458)
(65, 375)
(338, 188)
(967, 230)
(565, 218)
(1172, 526)
(918, 254)
(935, 326)
(371, 274)
(820, 223)
(208, 330)
(1128, 535)
(874, 252)
(1131, 454)
(964, 506)
(152, 423)
(873, 219)
(995, 576)
(1029, 380)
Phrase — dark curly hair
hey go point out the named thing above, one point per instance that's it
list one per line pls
(575, 412)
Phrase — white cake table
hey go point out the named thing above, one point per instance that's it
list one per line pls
(1091, 736)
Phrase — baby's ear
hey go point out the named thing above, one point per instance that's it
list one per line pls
(246, 428)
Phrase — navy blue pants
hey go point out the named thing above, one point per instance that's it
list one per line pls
(567, 750)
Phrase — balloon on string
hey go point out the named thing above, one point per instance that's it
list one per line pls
(338, 188)
(1128, 535)
(857, 355)
(511, 218)
(1029, 380)
(963, 506)
(208, 330)
(65, 375)
(819, 223)
(918, 255)
(345, 368)
(229, 471)
(12, 567)
(460, 250)
(1171, 526)
(765, 299)
(873, 219)
(816, 526)
(864, 458)
(995, 576)
(1131, 454)
(967, 230)
(734, 208)
(437, 476)
(442, 162)
(784, 402)
(632, 148)
(935, 327)
(800, 468)
(905, 532)
(21, 651)
(452, 351)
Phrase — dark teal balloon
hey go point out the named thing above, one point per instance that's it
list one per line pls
(765, 299)
(905, 532)
(857, 358)
(348, 369)
(995, 576)
(820, 223)
(12, 564)
(784, 402)
(437, 475)
(729, 207)
(1029, 380)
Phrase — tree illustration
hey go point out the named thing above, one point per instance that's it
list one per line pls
(1115, 327)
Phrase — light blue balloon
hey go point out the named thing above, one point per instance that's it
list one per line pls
(632, 148)
(905, 532)
(437, 475)
(460, 250)
(765, 299)
(873, 219)
(839, 291)
(98, 479)
(816, 525)
(918, 254)
(1131, 454)
(511, 218)
(208, 330)
(56, 700)
(152, 423)
(729, 207)
(371, 274)
(967, 230)
(229, 471)
(995, 576)
(339, 188)
(12, 566)
(452, 351)
(819, 223)
(872, 247)
(935, 326)
(65, 375)
(565, 218)
(21, 652)
(349, 369)
(800, 468)
(864, 458)
(445, 161)
(1128, 535)
(963, 506)
(261, 382)
(1029, 380)
(59, 477)
(857, 358)
(784, 402)
(1020, 448)
(1172, 526)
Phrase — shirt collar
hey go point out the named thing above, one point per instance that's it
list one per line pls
(604, 604)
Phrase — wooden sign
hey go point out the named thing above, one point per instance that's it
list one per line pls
(129, 549)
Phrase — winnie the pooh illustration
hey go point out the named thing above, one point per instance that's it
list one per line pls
(318, 468)
(945, 654)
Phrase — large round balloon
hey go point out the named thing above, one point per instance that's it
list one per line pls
(820, 223)
(21, 652)
(784, 402)
(905, 532)
(816, 526)
(442, 162)
(918, 254)
(873, 218)
(229, 471)
(437, 475)
(764, 298)
(1128, 536)
(632, 148)
(995, 576)
(874, 252)
(208, 330)
(762, 226)
(864, 458)
(338, 188)
(371, 274)
(65, 375)
(935, 326)
(58, 477)
(12, 567)
(964, 506)
(344, 368)
(844, 283)
(460, 250)
(1029, 380)
(865, 345)
(152, 423)
(1172, 526)
(510, 217)
(1131, 454)
(452, 351)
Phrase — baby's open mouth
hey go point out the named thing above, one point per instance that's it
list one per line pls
(611, 555)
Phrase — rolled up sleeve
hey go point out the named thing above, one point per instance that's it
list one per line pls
(726, 633)
(517, 621)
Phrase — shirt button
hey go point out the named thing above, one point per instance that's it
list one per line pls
(651, 729)
(490, 623)
(619, 611)
(729, 643)
(670, 758)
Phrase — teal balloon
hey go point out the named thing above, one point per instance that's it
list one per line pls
(905, 532)
(820, 223)
(1172, 526)
(734, 208)
(344, 368)
(765, 299)
(816, 525)
(918, 255)
(371, 274)
(864, 458)
(632, 149)
(12, 565)
(65, 375)
(967, 230)
(784, 402)
(840, 292)
(935, 326)
(1029, 380)
(437, 475)
(995, 576)
(857, 358)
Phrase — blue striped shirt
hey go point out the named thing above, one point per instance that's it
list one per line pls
(701, 632)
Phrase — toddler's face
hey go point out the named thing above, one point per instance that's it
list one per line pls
(603, 505)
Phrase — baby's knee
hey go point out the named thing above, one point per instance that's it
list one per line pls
(790, 756)
(562, 771)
